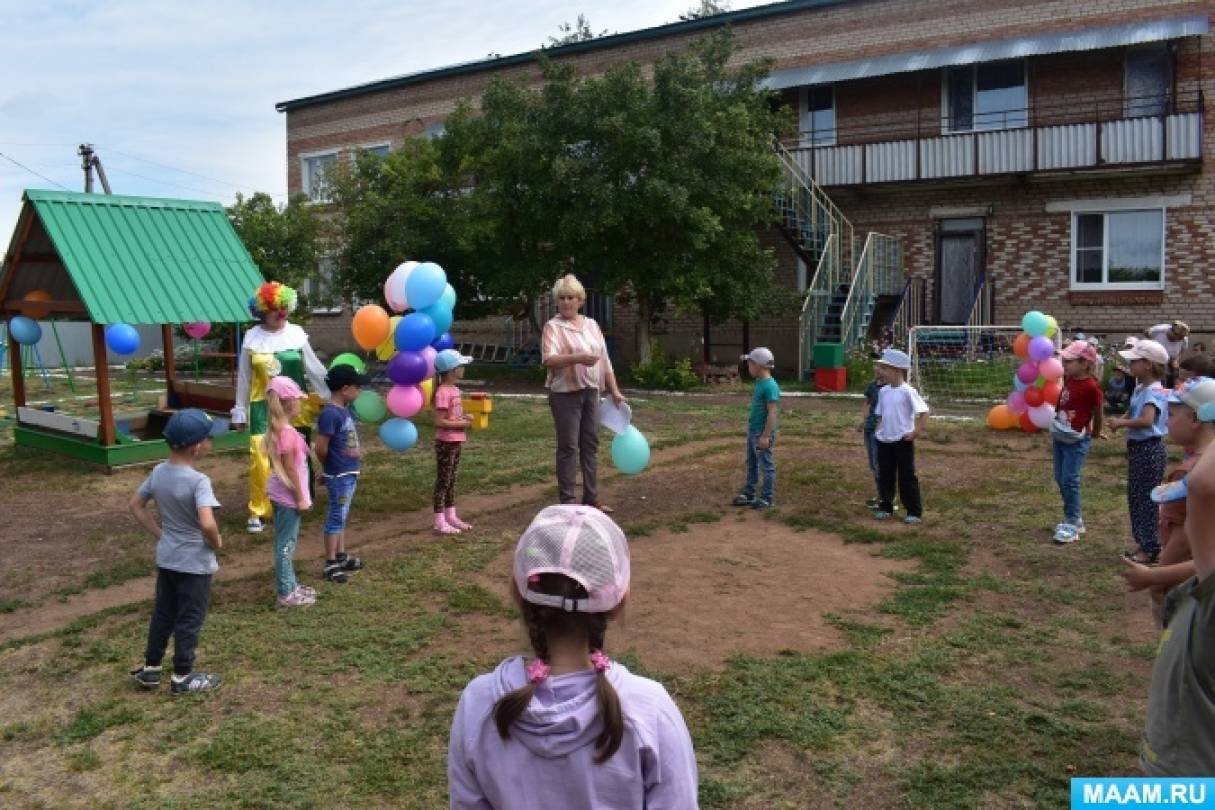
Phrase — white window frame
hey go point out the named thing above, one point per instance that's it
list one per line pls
(314, 283)
(806, 134)
(1107, 286)
(947, 113)
(306, 175)
(367, 147)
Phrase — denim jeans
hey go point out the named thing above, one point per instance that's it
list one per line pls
(871, 449)
(760, 461)
(341, 495)
(1069, 463)
(286, 535)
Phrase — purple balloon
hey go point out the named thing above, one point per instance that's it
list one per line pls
(1041, 348)
(1016, 403)
(407, 368)
(1028, 372)
(443, 342)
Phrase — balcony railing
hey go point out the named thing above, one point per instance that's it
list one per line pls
(1111, 133)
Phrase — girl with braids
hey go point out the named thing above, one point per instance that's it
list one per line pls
(287, 488)
(569, 727)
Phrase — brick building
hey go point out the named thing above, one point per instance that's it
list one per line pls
(1045, 155)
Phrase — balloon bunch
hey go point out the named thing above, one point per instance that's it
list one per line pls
(1036, 384)
(408, 343)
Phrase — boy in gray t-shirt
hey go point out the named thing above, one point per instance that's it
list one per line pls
(187, 539)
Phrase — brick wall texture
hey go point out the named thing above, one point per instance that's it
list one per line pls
(1028, 250)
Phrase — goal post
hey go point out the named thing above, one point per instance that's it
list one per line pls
(968, 365)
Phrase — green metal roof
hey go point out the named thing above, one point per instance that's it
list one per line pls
(149, 260)
(610, 41)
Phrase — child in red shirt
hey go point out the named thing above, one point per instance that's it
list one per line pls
(1077, 420)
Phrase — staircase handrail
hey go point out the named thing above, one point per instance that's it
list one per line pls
(908, 313)
(801, 184)
(876, 271)
(814, 305)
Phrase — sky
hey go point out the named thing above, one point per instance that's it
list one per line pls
(178, 97)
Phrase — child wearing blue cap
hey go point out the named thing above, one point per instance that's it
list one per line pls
(187, 539)
(451, 425)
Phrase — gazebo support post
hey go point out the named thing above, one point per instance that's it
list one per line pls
(166, 331)
(14, 367)
(103, 386)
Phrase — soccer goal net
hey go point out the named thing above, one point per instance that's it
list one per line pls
(963, 364)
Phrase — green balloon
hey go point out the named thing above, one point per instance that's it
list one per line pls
(370, 407)
(348, 359)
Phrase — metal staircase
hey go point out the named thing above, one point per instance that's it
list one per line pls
(842, 295)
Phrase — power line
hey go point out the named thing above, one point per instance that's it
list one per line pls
(31, 171)
(238, 186)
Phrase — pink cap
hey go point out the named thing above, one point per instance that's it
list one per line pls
(579, 542)
(1080, 350)
(286, 388)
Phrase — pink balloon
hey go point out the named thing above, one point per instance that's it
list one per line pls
(1041, 348)
(1028, 372)
(405, 400)
(1016, 403)
(1042, 415)
(394, 287)
(197, 330)
(429, 353)
(1051, 369)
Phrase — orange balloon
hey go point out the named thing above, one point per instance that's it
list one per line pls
(1001, 418)
(1051, 393)
(1021, 345)
(370, 326)
(33, 310)
(1027, 424)
(1033, 396)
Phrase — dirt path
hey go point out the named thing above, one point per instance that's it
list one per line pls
(382, 536)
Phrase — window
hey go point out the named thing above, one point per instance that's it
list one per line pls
(985, 97)
(320, 291)
(1149, 80)
(818, 116)
(1118, 250)
(314, 168)
(434, 130)
(380, 150)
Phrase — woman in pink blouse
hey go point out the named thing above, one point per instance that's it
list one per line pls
(574, 352)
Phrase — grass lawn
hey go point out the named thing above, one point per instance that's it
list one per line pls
(996, 667)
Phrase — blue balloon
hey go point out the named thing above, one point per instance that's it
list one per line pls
(425, 284)
(448, 298)
(25, 331)
(398, 434)
(122, 338)
(407, 368)
(414, 332)
(440, 315)
(630, 451)
(444, 342)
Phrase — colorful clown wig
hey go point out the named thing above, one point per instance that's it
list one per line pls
(272, 296)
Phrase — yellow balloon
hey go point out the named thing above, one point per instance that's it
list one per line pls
(1052, 326)
(428, 391)
(388, 348)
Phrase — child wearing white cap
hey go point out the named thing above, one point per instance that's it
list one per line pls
(568, 726)
(902, 415)
(760, 488)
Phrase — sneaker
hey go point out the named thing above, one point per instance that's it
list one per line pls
(255, 525)
(335, 573)
(743, 499)
(881, 515)
(194, 682)
(306, 590)
(353, 563)
(296, 599)
(761, 503)
(146, 676)
(1066, 533)
(873, 503)
(912, 520)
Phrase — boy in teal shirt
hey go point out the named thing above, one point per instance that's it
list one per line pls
(761, 431)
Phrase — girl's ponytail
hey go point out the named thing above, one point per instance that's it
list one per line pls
(608, 741)
(511, 706)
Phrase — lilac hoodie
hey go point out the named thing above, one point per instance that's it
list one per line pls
(548, 762)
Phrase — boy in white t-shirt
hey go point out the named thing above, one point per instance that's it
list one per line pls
(903, 416)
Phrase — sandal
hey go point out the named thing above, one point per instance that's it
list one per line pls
(1138, 555)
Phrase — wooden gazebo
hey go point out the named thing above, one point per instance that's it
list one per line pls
(116, 259)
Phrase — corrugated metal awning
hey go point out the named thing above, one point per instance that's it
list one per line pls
(1089, 39)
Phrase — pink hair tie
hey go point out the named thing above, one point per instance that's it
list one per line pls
(600, 661)
(537, 671)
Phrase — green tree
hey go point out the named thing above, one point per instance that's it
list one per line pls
(286, 242)
(707, 8)
(579, 31)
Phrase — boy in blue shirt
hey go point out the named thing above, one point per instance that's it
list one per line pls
(761, 431)
(187, 538)
(337, 446)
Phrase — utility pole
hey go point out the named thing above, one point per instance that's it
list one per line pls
(88, 162)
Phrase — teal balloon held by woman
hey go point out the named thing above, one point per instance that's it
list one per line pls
(630, 451)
